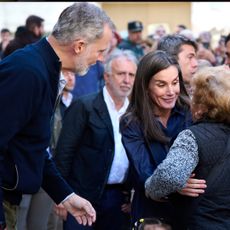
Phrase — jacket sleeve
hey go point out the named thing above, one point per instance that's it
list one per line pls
(74, 123)
(172, 174)
(137, 152)
(53, 183)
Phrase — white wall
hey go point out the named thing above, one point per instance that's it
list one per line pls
(13, 14)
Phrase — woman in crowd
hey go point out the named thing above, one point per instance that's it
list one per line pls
(203, 149)
(159, 109)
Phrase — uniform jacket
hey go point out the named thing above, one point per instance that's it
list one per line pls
(138, 50)
(28, 90)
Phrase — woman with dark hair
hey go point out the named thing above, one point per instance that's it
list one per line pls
(203, 148)
(159, 109)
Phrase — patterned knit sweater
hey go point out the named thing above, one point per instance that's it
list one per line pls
(172, 174)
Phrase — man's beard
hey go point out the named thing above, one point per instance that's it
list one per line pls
(82, 69)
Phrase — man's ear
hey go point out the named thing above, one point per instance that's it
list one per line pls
(79, 46)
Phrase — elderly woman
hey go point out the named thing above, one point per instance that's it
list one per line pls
(203, 149)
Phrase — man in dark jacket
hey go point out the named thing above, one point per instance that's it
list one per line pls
(89, 151)
(29, 87)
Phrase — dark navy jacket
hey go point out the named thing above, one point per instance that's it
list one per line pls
(28, 90)
(143, 162)
(85, 148)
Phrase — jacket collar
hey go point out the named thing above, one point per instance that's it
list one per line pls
(101, 108)
(51, 59)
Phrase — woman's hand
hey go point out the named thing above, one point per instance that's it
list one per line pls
(194, 187)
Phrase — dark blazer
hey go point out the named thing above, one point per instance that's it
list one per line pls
(28, 90)
(85, 148)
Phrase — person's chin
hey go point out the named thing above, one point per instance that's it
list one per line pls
(169, 105)
(83, 72)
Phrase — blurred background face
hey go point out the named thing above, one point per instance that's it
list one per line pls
(135, 37)
(227, 61)
(160, 31)
(39, 30)
(5, 36)
(120, 81)
(188, 62)
(178, 29)
(164, 89)
(70, 78)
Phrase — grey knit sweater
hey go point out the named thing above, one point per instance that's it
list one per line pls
(172, 174)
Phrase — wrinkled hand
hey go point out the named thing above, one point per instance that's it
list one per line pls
(194, 187)
(60, 211)
(81, 209)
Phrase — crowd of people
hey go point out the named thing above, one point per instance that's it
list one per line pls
(100, 132)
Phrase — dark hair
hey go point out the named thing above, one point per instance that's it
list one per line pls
(21, 39)
(141, 105)
(182, 26)
(172, 44)
(33, 21)
(227, 39)
(5, 30)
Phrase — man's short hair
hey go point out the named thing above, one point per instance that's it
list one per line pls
(182, 26)
(5, 30)
(227, 39)
(33, 21)
(172, 44)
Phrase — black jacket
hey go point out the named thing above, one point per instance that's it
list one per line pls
(210, 210)
(85, 148)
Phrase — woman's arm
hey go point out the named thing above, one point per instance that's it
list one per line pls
(174, 172)
(137, 151)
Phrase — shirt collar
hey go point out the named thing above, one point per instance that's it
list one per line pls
(62, 83)
(109, 101)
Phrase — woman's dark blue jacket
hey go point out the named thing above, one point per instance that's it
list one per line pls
(144, 160)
